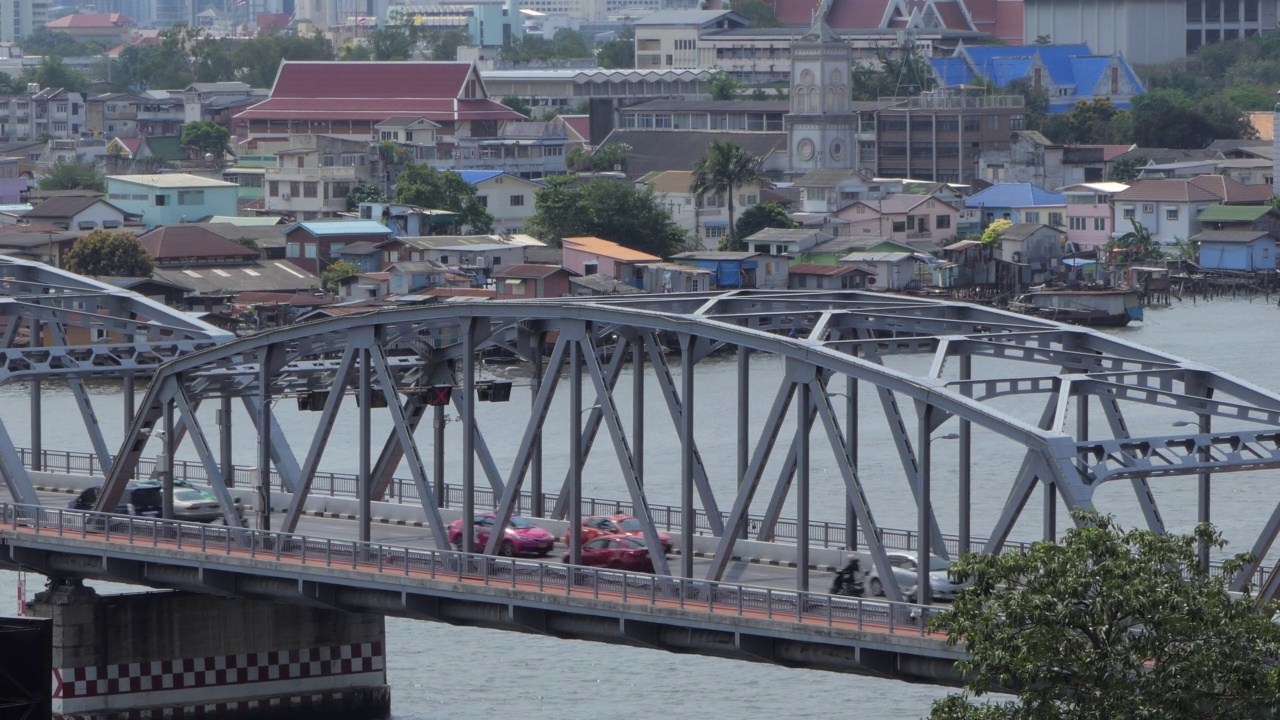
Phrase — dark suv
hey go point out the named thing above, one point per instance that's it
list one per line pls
(138, 499)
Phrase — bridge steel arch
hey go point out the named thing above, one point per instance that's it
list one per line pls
(832, 345)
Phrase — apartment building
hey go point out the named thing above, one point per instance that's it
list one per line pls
(20, 18)
(52, 112)
(314, 176)
(567, 87)
(669, 38)
(941, 135)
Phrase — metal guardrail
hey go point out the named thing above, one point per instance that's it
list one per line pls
(818, 610)
(403, 490)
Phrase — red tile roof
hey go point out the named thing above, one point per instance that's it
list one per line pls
(1167, 190)
(105, 21)
(581, 124)
(192, 241)
(375, 91)
(846, 14)
(1232, 192)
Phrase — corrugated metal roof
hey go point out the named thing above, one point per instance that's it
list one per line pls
(1233, 213)
(342, 227)
(606, 248)
(1014, 195)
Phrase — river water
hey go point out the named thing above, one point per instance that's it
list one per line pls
(442, 672)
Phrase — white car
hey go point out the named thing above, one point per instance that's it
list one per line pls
(941, 586)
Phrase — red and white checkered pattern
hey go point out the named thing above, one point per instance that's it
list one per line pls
(350, 698)
(217, 670)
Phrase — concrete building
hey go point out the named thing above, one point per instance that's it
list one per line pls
(1034, 250)
(108, 29)
(821, 127)
(52, 112)
(813, 276)
(706, 218)
(1015, 202)
(710, 115)
(532, 281)
(76, 213)
(905, 218)
(941, 135)
(313, 246)
(738, 270)
(1169, 209)
(589, 255)
(1235, 250)
(171, 198)
(886, 271)
(669, 38)
(314, 176)
(20, 18)
(562, 88)
(509, 199)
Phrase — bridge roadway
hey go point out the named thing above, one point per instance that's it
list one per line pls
(686, 615)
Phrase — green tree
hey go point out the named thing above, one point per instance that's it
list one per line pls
(1035, 101)
(1169, 118)
(722, 86)
(1135, 246)
(1126, 169)
(52, 72)
(256, 61)
(759, 13)
(1088, 123)
(618, 54)
(205, 137)
(899, 71)
(991, 235)
(1110, 624)
(73, 175)
(444, 44)
(249, 243)
(43, 41)
(362, 193)
(427, 187)
(109, 254)
(753, 220)
(394, 42)
(352, 52)
(726, 167)
(602, 208)
(518, 105)
(337, 270)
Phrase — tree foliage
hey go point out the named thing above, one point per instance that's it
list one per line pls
(1126, 169)
(1110, 624)
(427, 187)
(337, 270)
(608, 158)
(1137, 245)
(566, 44)
(759, 13)
(726, 167)
(991, 235)
(518, 105)
(43, 42)
(444, 43)
(73, 175)
(753, 220)
(362, 193)
(256, 61)
(205, 137)
(899, 71)
(1169, 118)
(1097, 122)
(605, 209)
(618, 54)
(52, 72)
(721, 86)
(110, 254)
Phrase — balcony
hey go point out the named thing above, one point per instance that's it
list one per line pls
(313, 174)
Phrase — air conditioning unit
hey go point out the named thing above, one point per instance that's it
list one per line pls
(285, 196)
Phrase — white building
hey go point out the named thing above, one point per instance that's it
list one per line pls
(669, 39)
(509, 199)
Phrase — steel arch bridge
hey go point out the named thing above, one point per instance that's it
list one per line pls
(833, 345)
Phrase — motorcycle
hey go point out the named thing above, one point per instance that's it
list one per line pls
(847, 583)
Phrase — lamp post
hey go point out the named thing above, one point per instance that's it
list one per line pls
(1203, 485)
(924, 594)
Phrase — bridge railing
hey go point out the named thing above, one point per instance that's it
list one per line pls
(296, 552)
(403, 490)
(822, 533)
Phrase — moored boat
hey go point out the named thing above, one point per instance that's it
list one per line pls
(1113, 308)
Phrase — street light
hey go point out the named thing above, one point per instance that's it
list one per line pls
(924, 529)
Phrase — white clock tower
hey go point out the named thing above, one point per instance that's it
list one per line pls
(820, 127)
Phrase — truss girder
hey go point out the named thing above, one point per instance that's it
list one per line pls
(808, 332)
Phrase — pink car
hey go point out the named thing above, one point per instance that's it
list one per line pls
(521, 537)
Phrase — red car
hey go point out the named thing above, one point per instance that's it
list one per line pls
(520, 537)
(599, 525)
(619, 552)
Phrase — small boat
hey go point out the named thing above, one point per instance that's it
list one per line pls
(1111, 308)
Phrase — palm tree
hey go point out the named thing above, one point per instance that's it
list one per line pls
(725, 168)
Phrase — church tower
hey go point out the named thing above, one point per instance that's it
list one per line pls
(820, 127)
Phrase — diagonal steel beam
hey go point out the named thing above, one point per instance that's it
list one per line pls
(281, 454)
(173, 392)
(410, 449)
(590, 428)
(81, 395)
(1141, 486)
(320, 438)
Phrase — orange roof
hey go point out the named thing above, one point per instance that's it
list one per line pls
(596, 246)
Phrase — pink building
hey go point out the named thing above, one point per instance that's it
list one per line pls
(591, 255)
(1090, 220)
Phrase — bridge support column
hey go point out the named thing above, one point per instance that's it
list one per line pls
(163, 654)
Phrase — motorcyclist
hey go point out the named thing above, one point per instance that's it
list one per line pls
(846, 581)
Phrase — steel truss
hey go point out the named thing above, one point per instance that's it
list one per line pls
(56, 325)
(389, 359)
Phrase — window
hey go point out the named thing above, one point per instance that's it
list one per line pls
(716, 232)
(1148, 208)
(1127, 213)
(328, 161)
(60, 127)
(390, 135)
(1100, 224)
(190, 197)
(110, 224)
(273, 188)
(1171, 213)
(309, 250)
(309, 189)
(60, 107)
(942, 222)
(899, 226)
(1077, 223)
(1032, 217)
(517, 200)
(161, 200)
(590, 268)
(483, 200)
(1055, 219)
(295, 187)
(341, 190)
(293, 250)
(85, 225)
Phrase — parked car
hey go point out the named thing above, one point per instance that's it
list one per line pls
(941, 586)
(598, 525)
(520, 537)
(138, 498)
(620, 552)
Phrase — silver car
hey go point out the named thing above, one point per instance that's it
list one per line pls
(941, 586)
(191, 504)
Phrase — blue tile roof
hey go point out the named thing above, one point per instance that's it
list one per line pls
(1071, 67)
(1013, 195)
(322, 228)
(475, 177)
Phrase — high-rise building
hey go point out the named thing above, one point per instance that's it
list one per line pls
(20, 18)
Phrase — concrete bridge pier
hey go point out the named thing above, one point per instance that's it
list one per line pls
(175, 654)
